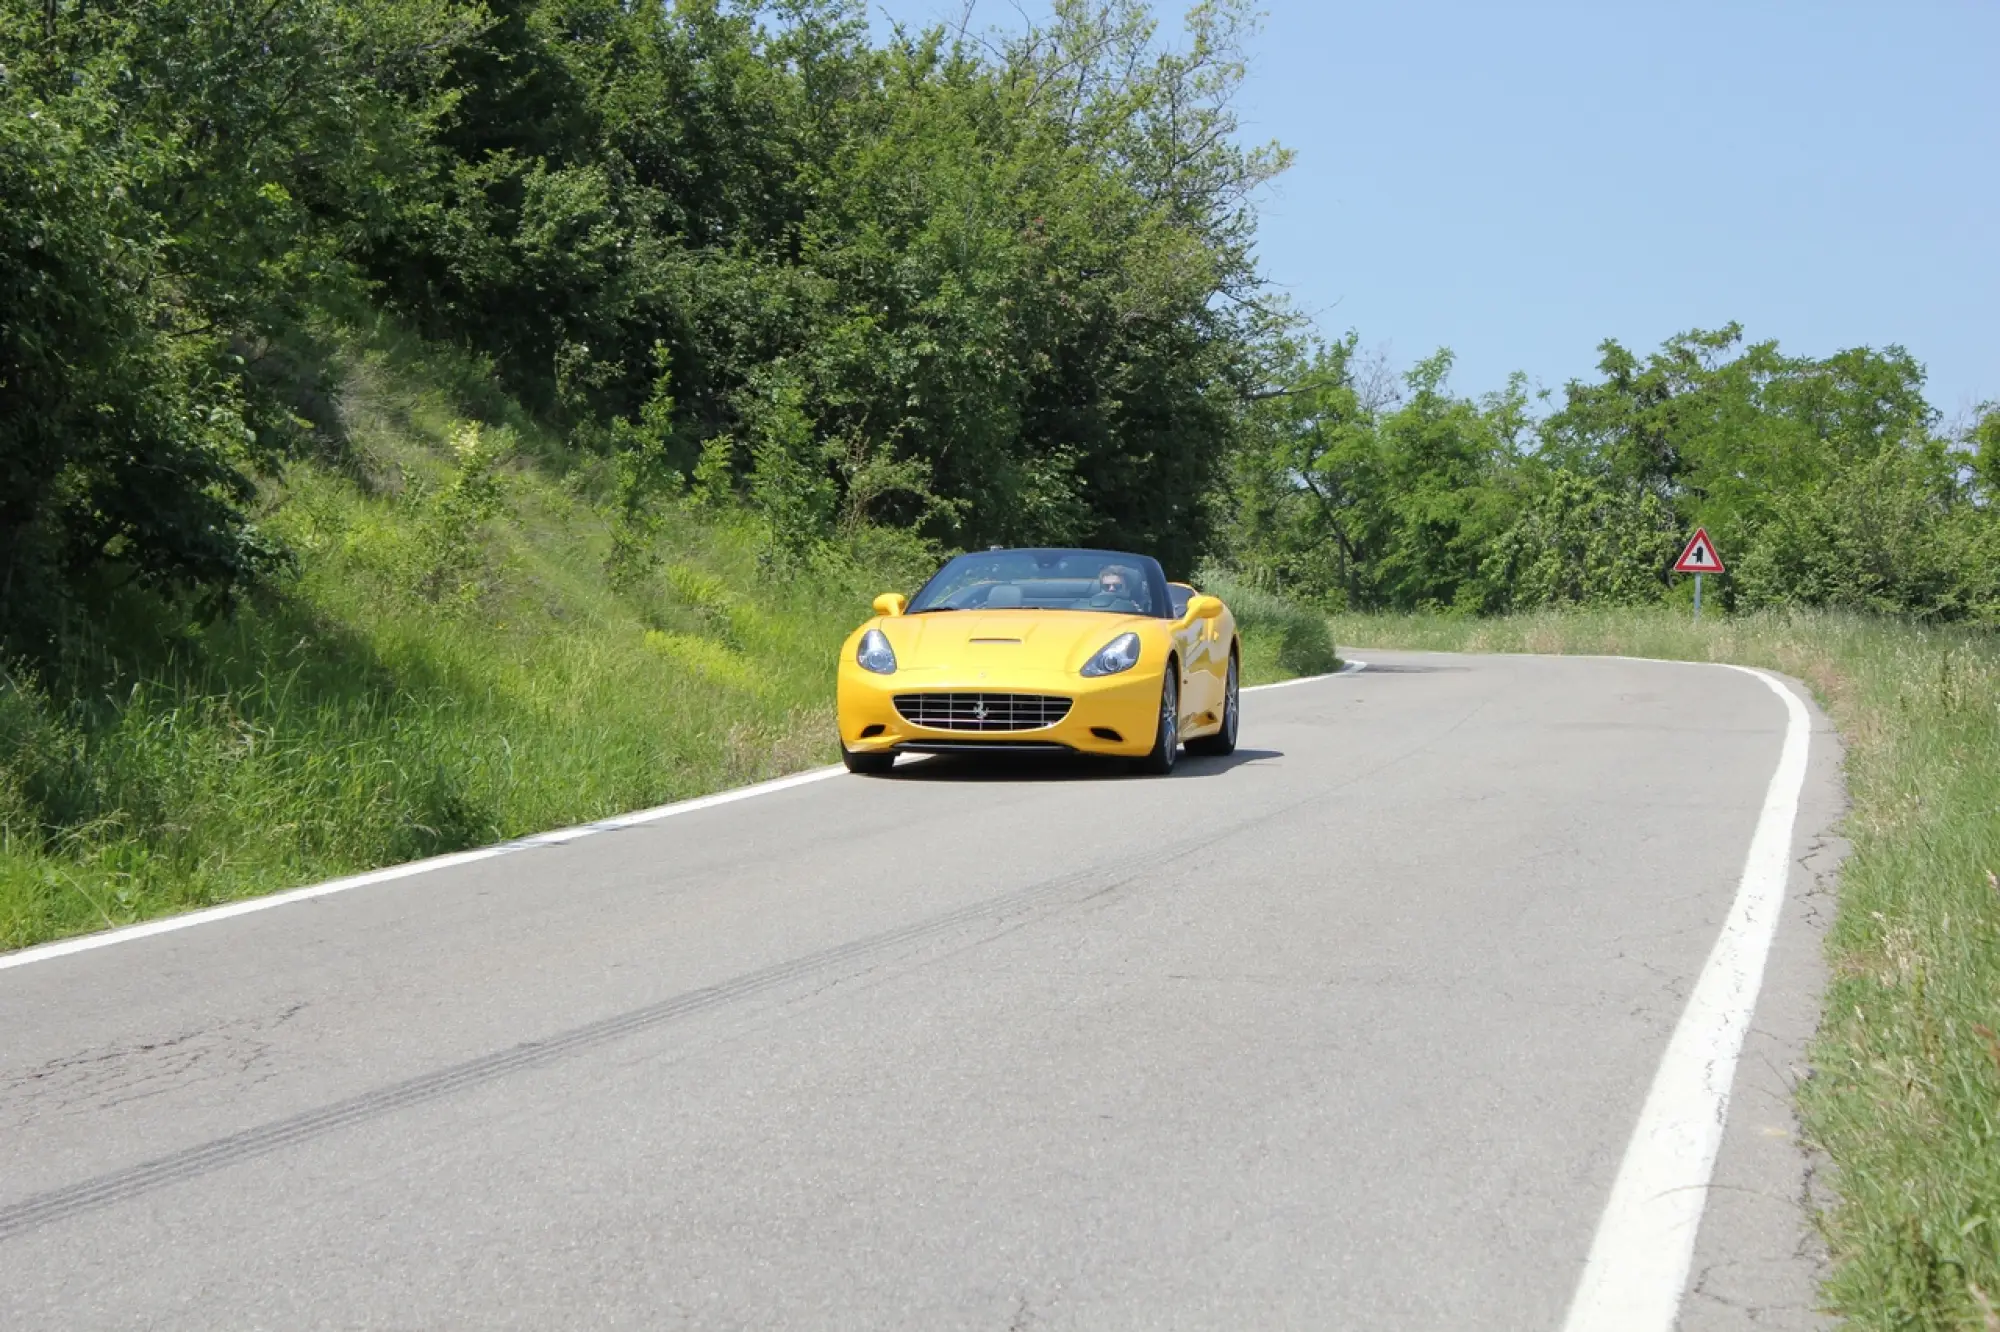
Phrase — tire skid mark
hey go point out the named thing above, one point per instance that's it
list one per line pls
(124, 1185)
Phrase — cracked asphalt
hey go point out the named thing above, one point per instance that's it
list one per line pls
(1349, 1030)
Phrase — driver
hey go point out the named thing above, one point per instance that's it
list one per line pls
(1114, 588)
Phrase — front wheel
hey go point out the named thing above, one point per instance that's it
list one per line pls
(1167, 732)
(872, 765)
(1224, 740)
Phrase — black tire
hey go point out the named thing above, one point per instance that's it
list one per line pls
(1167, 729)
(869, 765)
(1223, 741)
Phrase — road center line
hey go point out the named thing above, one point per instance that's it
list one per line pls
(168, 924)
(1639, 1261)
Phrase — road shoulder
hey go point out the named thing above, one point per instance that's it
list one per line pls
(1759, 1259)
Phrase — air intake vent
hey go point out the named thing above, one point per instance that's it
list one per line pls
(982, 712)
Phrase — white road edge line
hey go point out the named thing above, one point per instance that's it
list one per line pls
(1351, 668)
(1639, 1262)
(168, 924)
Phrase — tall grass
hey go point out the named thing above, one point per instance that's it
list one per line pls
(450, 668)
(1905, 1095)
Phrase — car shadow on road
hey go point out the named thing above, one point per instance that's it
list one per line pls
(1060, 767)
(1194, 766)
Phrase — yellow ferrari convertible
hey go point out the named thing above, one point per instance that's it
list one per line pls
(1077, 651)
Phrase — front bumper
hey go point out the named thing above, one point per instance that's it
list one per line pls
(1116, 714)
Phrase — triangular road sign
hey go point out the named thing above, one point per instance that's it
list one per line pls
(1700, 556)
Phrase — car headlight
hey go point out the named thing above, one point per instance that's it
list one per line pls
(1120, 654)
(875, 654)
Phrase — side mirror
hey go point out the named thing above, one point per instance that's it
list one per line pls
(1203, 608)
(891, 603)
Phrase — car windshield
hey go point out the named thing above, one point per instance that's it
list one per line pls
(1084, 580)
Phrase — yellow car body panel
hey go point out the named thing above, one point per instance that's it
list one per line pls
(1210, 657)
(1037, 652)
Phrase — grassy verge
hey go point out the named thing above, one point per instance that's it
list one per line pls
(1281, 638)
(450, 667)
(453, 665)
(1905, 1096)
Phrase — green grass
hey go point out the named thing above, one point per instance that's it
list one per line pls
(1905, 1094)
(452, 666)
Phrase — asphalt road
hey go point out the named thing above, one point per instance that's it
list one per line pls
(1347, 1031)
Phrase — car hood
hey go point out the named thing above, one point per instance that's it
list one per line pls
(992, 642)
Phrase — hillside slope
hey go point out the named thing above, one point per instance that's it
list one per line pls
(464, 653)
(449, 665)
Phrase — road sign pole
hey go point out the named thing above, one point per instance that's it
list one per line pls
(1697, 598)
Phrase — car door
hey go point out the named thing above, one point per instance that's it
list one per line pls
(1202, 681)
(1215, 663)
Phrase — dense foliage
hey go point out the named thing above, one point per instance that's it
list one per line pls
(1825, 483)
(982, 292)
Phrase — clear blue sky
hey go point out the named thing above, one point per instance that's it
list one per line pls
(1518, 181)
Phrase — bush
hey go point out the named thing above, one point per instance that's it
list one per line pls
(119, 443)
(1307, 647)
(1296, 637)
(1892, 534)
(1582, 542)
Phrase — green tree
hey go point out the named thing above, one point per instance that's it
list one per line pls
(178, 180)
(1582, 541)
(1445, 463)
(1306, 497)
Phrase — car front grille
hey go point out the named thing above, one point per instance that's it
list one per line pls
(982, 712)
